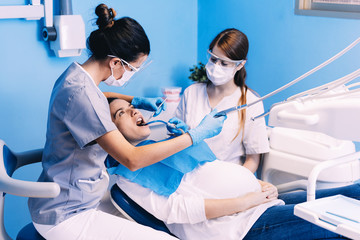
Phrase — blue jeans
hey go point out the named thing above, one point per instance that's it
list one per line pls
(279, 222)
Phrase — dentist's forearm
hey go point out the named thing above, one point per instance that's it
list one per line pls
(135, 158)
(153, 153)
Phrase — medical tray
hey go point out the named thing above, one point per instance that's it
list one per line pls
(338, 214)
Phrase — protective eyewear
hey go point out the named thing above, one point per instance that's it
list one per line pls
(131, 67)
(223, 62)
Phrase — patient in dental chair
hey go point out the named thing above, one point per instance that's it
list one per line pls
(199, 197)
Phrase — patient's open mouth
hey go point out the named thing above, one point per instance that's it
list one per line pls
(140, 122)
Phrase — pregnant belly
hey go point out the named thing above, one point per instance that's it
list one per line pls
(221, 179)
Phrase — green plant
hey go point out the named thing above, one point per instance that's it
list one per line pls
(198, 73)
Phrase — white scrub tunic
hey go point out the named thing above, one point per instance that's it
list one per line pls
(193, 107)
(184, 212)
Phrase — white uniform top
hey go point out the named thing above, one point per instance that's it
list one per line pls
(184, 212)
(193, 107)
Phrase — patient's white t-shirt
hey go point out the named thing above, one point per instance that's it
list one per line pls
(193, 107)
(184, 211)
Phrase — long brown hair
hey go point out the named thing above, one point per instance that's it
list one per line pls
(235, 46)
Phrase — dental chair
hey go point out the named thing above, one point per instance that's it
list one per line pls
(133, 212)
(9, 162)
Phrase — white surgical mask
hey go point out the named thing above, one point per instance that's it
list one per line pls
(219, 75)
(112, 81)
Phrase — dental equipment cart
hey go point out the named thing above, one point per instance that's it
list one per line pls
(338, 214)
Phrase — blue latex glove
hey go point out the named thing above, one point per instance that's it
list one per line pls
(149, 104)
(177, 126)
(209, 127)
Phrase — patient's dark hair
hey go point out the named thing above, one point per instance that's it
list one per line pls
(123, 38)
(110, 99)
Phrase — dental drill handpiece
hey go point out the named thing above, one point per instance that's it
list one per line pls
(171, 125)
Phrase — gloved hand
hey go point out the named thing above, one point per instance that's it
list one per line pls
(149, 104)
(177, 126)
(208, 127)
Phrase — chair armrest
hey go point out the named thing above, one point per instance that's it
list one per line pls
(29, 157)
(314, 174)
(28, 189)
(292, 186)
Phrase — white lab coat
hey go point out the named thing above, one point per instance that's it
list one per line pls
(193, 107)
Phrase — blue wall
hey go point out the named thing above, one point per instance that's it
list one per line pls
(28, 70)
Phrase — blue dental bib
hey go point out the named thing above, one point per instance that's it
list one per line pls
(165, 176)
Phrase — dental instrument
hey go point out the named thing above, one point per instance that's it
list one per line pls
(240, 107)
(152, 115)
(226, 111)
(171, 125)
(159, 121)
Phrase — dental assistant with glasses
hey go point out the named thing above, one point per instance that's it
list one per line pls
(80, 135)
(240, 137)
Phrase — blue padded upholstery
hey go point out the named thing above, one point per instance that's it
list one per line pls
(29, 233)
(9, 160)
(137, 213)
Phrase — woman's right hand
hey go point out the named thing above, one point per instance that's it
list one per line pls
(209, 127)
(215, 208)
(254, 199)
(268, 187)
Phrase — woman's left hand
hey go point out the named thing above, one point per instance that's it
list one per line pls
(179, 128)
(149, 104)
(265, 186)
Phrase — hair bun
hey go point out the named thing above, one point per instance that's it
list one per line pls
(105, 16)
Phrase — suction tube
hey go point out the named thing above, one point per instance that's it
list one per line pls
(308, 73)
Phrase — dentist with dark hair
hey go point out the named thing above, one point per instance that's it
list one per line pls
(80, 134)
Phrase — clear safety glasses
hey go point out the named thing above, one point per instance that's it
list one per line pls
(130, 67)
(223, 62)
